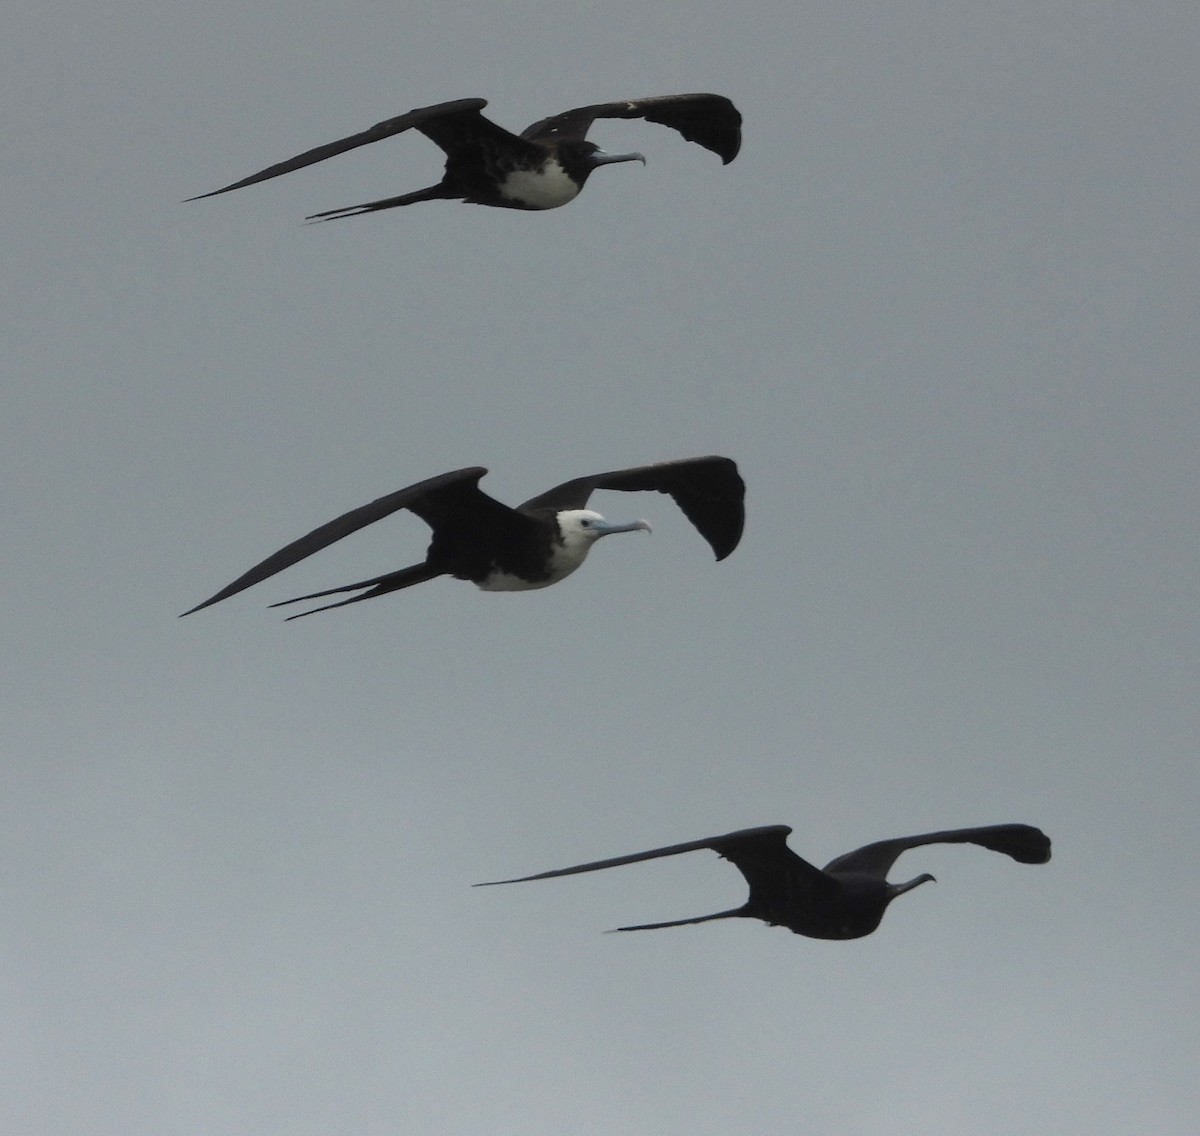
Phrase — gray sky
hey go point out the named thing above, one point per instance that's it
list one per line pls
(942, 312)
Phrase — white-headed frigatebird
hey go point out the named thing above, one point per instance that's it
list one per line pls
(543, 167)
(500, 548)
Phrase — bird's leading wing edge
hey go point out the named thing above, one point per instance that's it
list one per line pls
(711, 121)
(712, 843)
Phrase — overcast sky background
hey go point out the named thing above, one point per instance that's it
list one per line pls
(941, 310)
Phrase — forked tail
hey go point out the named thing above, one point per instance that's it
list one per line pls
(433, 193)
(735, 913)
(378, 586)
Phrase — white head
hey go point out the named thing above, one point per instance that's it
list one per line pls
(579, 529)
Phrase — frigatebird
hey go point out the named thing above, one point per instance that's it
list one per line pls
(844, 900)
(543, 167)
(500, 548)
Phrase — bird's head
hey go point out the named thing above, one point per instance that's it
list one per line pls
(580, 157)
(578, 530)
(581, 528)
(899, 889)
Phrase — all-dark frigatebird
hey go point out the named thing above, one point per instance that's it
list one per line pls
(543, 167)
(500, 548)
(845, 900)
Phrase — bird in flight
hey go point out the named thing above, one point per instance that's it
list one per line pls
(543, 167)
(844, 900)
(500, 548)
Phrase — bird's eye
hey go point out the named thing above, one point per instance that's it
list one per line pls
(585, 523)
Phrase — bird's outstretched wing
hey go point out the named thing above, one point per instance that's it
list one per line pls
(442, 123)
(426, 499)
(769, 838)
(708, 490)
(711, 121)
(1022, 842)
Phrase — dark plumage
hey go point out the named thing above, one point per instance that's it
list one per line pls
(543, 167)
(845, 900)
(500, 548)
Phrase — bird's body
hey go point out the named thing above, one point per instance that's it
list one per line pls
(573, 533)
(844, 900)
(543, 167)
(500, 548)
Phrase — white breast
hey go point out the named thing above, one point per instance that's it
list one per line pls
(564, 560)
(502, 582)
(547, 188)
